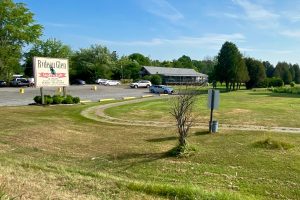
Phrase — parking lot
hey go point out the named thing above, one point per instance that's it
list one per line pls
(11, 96)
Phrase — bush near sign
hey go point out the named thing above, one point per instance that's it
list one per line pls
(51, 72)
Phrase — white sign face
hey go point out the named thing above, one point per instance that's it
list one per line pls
(51, 72)
(216, 101)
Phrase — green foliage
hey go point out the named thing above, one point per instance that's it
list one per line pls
(256, 72)
(269, 68)
(183, 62)
(182, 151)
(57, 99)
(282, 71)
(297, 73)
(272, 144)
(140, 59)
(48, 99)
(155, 79)
(91, 63)
(18, 28)
(68, 100)
(292, 84)
(38, 99)
(49, 48)
(76, 100)
(293, 90)
(230, 67)
(271, 82)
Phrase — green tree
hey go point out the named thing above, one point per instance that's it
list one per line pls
(50, 48)
(92, 63)
(297, 73)
(256, 72)
(269, 68)
(282, 70)
(230, 67)
(17, 28)
(140, 59)
(184, 62)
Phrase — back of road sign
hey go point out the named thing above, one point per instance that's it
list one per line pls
(216, 98)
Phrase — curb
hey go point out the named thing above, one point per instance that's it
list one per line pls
(149, 95)
(101, 100)
(163, 94)
(85, 101)
(126, 98)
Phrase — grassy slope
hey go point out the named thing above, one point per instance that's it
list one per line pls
(53, 152)
(242, 107)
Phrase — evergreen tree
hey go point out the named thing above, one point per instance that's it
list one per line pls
(256, 72)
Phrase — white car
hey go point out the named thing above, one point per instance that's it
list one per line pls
(100, 81)
(111, 82)
(141, 83)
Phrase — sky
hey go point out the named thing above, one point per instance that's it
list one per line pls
(268, 30)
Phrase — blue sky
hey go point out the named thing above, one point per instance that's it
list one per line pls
(167, 29)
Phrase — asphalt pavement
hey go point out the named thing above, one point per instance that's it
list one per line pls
(11, 96)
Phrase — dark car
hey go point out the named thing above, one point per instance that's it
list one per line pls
(78, 82)
(19, 82)
(2, 83)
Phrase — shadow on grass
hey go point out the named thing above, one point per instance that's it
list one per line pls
(201, 133)
(162, 139)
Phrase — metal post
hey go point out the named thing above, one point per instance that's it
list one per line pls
(211, 109)
(42, 95)
(64, 91)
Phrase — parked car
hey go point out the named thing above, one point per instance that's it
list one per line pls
(161, 89)
(100, 81)
(2, 83)
(112, 82)
(78, 82)
(16, 82)
(141, 83)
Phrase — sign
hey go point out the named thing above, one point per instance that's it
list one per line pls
(213, 102)
(51, 72)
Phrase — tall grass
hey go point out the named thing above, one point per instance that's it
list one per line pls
(289, 90)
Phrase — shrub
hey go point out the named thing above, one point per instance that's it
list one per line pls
(48, 99)
(156, 79)
(57, 99)
(275, 82)
(38, 99)
(292, 84)
(272, 144)
(76, 100)
(182, 151)
(68, 100)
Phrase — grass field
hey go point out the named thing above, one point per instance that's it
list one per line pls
(55, 153)
(243, 107)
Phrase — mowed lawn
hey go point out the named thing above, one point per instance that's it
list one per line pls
(243, 107)
(54, 153)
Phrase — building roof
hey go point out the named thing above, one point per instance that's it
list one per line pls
(168, 71)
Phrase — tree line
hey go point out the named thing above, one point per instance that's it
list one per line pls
(18, 29)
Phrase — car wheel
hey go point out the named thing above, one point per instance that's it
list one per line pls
(165, 92)
(148, 86)
(135, 86)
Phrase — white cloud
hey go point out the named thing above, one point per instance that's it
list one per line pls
(256, 12)
(60, 25)
(209, 40)
(164, 9)
(291, 33)
(270, 51)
